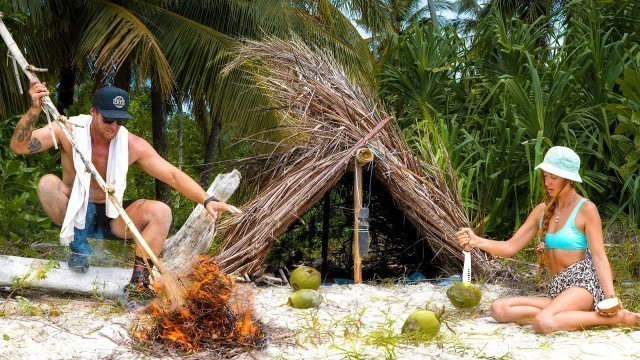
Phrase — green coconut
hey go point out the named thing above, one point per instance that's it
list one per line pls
(305, 277)
(464, 295)
(305, 299)
(423, 322)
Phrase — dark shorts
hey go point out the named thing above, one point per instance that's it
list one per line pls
(97, 226)
(582, 274)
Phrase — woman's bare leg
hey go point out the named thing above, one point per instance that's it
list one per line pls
(572, 310)
(521, 309)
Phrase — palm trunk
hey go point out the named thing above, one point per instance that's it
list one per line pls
(180, 141)
(211, 151)
(434, 16)
(326, 217)
(66, 87)
(122, 79)
(160, 136)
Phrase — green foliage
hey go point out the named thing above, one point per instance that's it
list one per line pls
(498, 100)
(629, 119)
(22, 221)
(415, 76)
(28, 307)
(9, 17)
(623, 250)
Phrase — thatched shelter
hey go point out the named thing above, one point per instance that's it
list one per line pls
(328, 118)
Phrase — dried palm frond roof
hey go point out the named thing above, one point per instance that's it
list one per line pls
(326, 116)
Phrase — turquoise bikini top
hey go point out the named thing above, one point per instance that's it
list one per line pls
(567, 238)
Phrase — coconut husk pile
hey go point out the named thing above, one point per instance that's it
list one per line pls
(325, 114)
(215, 314)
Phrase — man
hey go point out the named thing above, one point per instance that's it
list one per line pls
(79, 205)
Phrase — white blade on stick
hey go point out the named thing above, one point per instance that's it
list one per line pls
(466, 269)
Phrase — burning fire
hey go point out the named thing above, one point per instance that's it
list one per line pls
(214, 312)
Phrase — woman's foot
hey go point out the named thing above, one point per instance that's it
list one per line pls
(630, 318)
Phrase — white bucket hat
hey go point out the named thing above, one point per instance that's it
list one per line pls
(563, 162)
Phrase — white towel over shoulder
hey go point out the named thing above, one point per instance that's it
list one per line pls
(117, 167)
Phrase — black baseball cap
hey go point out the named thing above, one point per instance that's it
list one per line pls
(112, 102)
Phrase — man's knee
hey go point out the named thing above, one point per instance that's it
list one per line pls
(48, 184)
(159, 211)
(153, 211)
(53, 195)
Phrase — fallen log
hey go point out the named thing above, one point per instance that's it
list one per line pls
(56, 276)
(195, 237)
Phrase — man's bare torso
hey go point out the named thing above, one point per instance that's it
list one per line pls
(99, 158)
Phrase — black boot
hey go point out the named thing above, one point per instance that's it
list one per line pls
(139, 287)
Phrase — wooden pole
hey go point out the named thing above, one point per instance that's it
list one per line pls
(363, 157)
(357, 201)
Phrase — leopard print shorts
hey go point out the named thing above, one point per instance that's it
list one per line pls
(582, 274)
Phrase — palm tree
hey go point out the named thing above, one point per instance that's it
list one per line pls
(112, 40)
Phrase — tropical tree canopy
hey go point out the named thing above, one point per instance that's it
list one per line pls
(491, 90)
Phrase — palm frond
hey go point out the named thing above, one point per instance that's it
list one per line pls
(115, 34)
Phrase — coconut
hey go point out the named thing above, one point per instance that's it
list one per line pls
(305, 277)
(304, 299)
(464, 295)
(609, 306)
(423, 322)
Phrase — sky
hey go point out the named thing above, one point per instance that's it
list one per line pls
(446, 13)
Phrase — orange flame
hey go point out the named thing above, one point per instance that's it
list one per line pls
(214, 312)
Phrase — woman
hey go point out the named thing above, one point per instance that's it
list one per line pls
(569, 225)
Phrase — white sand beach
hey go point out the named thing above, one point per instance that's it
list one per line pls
(353, 322)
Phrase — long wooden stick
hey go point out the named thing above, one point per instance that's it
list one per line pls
(363, 157)
(61, 120)
(357, 204)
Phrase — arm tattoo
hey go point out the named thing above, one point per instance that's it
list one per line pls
(34, 145)
(23, 131)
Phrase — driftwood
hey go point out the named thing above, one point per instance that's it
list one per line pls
(196, 235)
(56, 276)
(193, 238)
